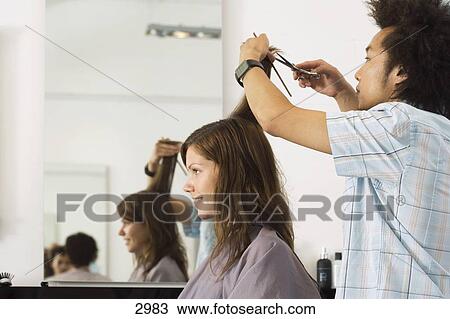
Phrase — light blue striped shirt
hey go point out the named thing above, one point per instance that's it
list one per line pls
(396, 159)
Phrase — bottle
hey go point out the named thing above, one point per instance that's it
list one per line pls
(324, 271)
(336, 269)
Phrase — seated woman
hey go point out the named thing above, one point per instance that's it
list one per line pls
(254, 256)
(150, 231)
(234, 179)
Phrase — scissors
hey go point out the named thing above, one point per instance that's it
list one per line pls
(304, 74)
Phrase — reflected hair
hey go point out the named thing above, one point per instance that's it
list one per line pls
(162, 181)
(81, 249)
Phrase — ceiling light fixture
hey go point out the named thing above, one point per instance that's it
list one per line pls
(183, 32)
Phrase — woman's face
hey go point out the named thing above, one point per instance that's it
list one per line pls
(60, 264)
(135, 236)
(201, 183)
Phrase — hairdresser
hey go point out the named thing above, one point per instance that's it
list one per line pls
(390, 140)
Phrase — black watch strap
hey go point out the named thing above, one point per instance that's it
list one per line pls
(244, 67)
(147, 172)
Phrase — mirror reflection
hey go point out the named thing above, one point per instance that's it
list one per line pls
(126, 81)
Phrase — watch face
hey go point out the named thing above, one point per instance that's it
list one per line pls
(241, 68)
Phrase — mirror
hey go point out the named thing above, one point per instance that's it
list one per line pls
(120, 74)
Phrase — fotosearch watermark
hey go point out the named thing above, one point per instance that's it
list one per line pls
(225, 207)
(249, 207)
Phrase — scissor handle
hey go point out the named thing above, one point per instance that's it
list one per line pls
(309, 74)
(293, 67)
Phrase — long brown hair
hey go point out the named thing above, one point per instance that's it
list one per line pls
(246, 165)
(153, 207)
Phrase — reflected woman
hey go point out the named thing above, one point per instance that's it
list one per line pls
(153, 239)
(56, 260)
(150, 231)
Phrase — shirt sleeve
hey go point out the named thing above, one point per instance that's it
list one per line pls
(373, 143)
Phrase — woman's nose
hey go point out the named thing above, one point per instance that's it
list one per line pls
(188, 187)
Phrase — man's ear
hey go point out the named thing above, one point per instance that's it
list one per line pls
(400, 74)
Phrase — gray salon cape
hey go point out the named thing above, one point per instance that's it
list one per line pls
(267, 269)
(166, 270)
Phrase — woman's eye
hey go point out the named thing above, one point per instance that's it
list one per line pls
(195, 171)
(367, 59)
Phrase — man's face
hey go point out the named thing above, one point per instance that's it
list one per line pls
(374, 86)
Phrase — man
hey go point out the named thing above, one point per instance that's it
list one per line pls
(392, 142)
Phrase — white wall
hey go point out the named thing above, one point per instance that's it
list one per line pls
(21, 120)
(335, 31)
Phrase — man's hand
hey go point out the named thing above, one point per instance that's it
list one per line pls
(161, 149)
(255, 48)
(331, 83)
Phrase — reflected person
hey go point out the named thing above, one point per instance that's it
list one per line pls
(82, 251)
(151, 235)
(56, 260)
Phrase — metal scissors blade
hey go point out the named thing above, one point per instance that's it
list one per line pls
(303, 73)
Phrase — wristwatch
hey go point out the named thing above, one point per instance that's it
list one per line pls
(244, 67)
(148, 172)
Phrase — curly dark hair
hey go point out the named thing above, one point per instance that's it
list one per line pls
(420, 43)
